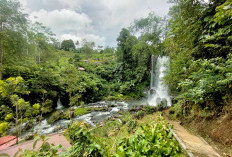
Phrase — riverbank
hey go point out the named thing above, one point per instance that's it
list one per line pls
(110, 135)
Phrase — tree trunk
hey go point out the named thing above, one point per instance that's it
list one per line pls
(39, 55)
(17, 129)
(1, 51)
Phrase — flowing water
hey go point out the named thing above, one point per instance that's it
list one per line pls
(59, 105)
(92, 118)
(158, 89)
(158, 94)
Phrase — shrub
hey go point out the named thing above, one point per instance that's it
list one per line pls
(131, 124)
(84, 143)
(150, 140)
(3, 128)
(45, 149)
(140, 114)
(150, 109)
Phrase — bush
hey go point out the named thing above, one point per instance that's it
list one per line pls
(84, 143)
(46, 149)
(140, 114)
(150, 140)
(150, 109)
(131, 124)
(126, 118)
(3, 128)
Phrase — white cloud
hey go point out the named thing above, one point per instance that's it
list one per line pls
(99, 20)
(68, 24)
(63, 21)
(70, 36)
(96, 39)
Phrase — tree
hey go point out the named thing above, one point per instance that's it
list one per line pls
(67, 45)
(151, 29)
(12, 21)
(215, 40)
(43, 40)
(77, 43)
(87, 47)
(11, 89)
(126, 41)
(89, 44)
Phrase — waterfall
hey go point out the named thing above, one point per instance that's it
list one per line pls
(59, 105)
(158, 90)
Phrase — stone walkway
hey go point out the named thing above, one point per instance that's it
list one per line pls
(196, 145)
(56, 139)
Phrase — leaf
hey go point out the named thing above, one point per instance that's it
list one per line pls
(35, 142)
(17, 152)
(4, 154)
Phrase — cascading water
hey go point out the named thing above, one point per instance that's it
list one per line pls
(59, 105)
(158, 90)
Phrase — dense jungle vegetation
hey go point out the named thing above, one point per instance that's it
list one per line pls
(36, 70)
(199, 42)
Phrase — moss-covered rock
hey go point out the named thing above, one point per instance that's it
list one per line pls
(57, 115)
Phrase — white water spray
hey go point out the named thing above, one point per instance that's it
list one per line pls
(59, 105)
(158, 90)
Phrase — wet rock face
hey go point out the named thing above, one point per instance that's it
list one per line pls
(152, 92)
(163, 104)
(30, 136)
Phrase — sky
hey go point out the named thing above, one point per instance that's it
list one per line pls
(94, 20)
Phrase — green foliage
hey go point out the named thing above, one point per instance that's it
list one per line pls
(200, 48)
(215, 40)
(140, 114)
(150, 109)
(57, 115)
(3, 128)
(4, 111)
(150, 140)
(207, 81)
(154, 139)
(10, 89)
(81, 111)
(67, 45)
(151, 28)
(45, 150)
(9, 117)
(84, 143)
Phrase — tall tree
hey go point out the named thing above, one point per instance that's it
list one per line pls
(12, 21)
(126, 41)
(151, 29)
(67, 45)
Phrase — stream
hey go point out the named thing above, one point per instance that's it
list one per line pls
(157, 94)
(93, 118)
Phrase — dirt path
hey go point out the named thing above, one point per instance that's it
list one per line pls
(194, 144)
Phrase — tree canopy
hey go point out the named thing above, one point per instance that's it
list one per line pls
(67, 45)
